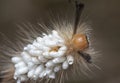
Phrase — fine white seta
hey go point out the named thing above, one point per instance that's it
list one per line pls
(43, 58)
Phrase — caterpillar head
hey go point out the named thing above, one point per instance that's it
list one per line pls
(79, 42)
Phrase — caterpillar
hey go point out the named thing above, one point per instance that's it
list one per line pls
(56, 54)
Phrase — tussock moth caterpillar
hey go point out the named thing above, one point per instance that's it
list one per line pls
(51, 57)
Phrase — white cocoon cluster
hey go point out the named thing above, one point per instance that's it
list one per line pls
(38, 60)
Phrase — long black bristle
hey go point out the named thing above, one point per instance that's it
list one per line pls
(86, 56)
(79, 8)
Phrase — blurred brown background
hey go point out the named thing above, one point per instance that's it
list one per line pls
(104, 16)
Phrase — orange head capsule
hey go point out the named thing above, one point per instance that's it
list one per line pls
(79, 42)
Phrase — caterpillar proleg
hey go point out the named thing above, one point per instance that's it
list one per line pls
(56, 54)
